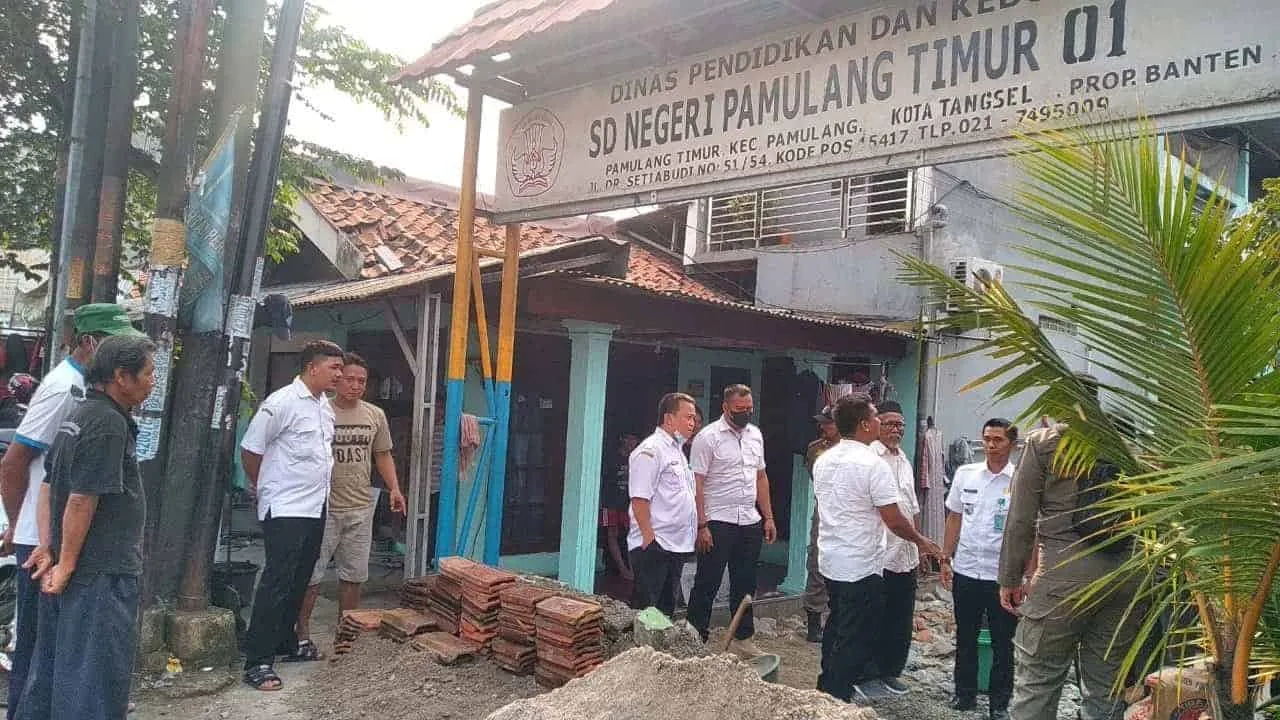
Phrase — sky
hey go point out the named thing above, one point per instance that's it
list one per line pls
(407, 28)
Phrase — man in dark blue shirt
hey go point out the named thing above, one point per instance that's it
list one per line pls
(92, 511)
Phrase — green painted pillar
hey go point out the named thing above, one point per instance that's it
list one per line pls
(584, 442)
(802, 502)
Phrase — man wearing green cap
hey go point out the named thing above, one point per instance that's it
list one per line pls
(22, 470)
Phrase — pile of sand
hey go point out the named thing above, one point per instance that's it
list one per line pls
(641, 684)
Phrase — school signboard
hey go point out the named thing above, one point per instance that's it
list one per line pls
(910, 85)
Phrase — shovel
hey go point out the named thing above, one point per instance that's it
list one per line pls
(766, 666)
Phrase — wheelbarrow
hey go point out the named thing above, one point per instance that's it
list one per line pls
(766, 666)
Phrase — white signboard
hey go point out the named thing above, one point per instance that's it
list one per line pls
(886, 88)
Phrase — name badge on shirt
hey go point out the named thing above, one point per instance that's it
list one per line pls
(1002, 513)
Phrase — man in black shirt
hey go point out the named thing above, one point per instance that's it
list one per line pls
(92, 511)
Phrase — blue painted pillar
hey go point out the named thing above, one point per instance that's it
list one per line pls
(802, 491)
(588, 374)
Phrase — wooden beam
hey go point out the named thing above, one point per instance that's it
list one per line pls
(495, 87)
(396, 329)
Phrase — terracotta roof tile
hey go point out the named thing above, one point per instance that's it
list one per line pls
(424, 235)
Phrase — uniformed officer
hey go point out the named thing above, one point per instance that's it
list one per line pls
(977, 509)
(1052, 630)
(664, 518)
(815, 588)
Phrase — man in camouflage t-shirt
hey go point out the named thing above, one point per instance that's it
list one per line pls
(361, 440)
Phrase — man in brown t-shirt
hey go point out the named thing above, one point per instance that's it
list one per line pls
(361, 440)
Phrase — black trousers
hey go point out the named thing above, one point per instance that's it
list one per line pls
(292, 548)
(736, 547)
(848, 641)
(657, 575)
(897, 624)
(974, 599)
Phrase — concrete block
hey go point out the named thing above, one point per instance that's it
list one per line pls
(203, 638)
(151, 630)
(651, 628)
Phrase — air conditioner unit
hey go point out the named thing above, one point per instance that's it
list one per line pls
(973, 273)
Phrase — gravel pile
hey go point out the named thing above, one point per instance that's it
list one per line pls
(641, 684)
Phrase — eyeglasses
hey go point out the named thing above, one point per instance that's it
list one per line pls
(898, 425)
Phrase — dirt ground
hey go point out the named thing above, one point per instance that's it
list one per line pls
(381, 679)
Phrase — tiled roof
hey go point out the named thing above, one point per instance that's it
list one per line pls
(496, 28)
(424, 235)
(419, 235)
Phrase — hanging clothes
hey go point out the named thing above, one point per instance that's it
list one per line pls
(958, 453)
(933, 477)
(806, 394)
(468, 442)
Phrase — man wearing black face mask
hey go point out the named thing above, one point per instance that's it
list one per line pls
(734, 512)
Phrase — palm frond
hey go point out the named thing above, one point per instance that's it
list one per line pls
(1179, 305)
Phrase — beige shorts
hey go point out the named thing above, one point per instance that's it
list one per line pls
(348, 540)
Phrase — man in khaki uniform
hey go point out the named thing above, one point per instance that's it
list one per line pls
(815, 588)
(1052, 630)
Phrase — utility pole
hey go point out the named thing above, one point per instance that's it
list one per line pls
(168, 253)
(53, 330)
(263, 173)
(123, 15)
(85, 17)
(187, 500)
(78, 261)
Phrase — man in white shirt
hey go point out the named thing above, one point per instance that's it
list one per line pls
(734, 513)
(288, 457)
(857, 499)
(22, 470)
(977, 508)
(664, 518)
(901, 561)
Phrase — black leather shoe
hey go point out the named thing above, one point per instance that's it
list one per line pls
(813, 632)
(962, 704)
(999, 714)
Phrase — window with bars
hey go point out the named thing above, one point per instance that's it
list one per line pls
(1053, 324)
(863, 206)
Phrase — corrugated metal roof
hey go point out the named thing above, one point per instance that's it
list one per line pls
(494, 29)
(588, 278)
(345, 291)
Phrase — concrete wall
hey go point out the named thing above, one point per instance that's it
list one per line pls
(841, 277)
(977, 226)
(859, 279)
(695, 367)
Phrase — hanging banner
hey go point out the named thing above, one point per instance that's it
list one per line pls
(208, 217)
(909, 85)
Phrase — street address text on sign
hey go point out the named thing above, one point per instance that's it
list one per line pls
(889, 87)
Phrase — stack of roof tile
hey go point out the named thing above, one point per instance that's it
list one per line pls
(481, 586)
(514, 657)
(354, 624)
(569, 641)
(404, 623)
(515, 617)
(416, 592)
(513, 649)
(445, 603)
(445, 648)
